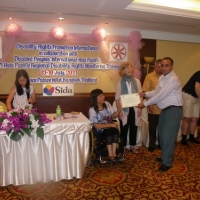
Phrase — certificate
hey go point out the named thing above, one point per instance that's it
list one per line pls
(130, 100)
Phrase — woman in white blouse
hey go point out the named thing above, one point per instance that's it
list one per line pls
(100, 115)
(22, 94)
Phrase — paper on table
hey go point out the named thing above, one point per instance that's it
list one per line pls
(75, 113)
(130, 100)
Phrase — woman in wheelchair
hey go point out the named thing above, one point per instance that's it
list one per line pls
(101, 114)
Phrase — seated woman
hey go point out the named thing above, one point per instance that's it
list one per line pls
(100, 115)
(22, 94)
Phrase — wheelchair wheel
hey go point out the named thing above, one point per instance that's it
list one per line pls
(99, 152)
(91, 143)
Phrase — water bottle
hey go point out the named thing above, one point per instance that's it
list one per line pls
(58, 113)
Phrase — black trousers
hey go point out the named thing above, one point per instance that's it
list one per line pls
(153, 122)
(111, 135)
(131, 127)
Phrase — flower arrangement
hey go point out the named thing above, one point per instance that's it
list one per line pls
(106, 120)
(18, 122)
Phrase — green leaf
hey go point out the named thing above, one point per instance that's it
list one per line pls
(26, 107)
(22, 133)
(40, 132)
(28, 131)
(14, 114)
(1, 119)
(37, 117)
(16, 136)
(9, 131)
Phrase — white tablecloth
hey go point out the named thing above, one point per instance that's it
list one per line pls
(62, 154)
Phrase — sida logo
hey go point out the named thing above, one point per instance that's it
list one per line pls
(58, 90)
(48, 90)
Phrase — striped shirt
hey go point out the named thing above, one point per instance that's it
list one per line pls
(168, 92)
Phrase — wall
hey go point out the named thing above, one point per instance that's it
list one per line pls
(186, 57)
(148, 50)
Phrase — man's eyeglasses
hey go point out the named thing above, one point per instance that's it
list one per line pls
(165, 65)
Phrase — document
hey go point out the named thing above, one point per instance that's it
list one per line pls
(130, 100)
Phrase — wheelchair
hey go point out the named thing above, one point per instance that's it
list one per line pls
(99, 152)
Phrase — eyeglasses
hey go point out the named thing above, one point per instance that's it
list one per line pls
(165, 65)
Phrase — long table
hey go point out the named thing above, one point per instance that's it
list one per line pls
(62, 154)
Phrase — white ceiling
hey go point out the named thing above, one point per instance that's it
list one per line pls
(99, 12)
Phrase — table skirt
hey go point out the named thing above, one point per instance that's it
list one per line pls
(56, 157)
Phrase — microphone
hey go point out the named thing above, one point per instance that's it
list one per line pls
(28, 93)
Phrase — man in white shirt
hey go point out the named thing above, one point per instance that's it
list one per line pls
(168, 96)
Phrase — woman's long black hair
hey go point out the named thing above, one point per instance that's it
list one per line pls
(93, 99)
(19, 88)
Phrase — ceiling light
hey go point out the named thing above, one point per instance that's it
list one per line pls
(99, 34)
(58, 33)
(13, 29)
(60, 19)
(103, 33)
(183, 8)
(10, 18)
(192, 5)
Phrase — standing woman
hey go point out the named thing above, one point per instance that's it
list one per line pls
(129, 117)
(22, 94)
(100, 115)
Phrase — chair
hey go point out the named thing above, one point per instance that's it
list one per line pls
(98, 149)
(115, 109)
(3, 107)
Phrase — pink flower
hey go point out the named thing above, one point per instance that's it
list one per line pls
(27, 111)
(18, 122)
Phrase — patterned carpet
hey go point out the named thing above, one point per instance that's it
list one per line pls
(136, 178)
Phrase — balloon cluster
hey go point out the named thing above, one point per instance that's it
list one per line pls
(13, 29)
